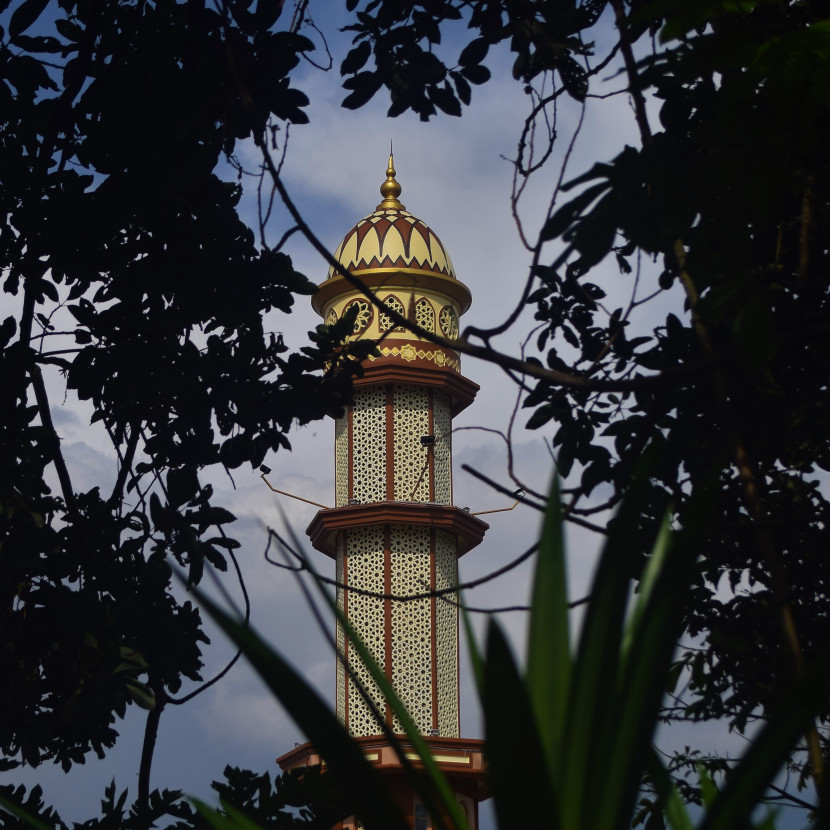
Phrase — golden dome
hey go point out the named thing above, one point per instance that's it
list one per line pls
(392, 239)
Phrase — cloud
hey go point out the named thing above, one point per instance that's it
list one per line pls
(89, 467)
(241, 712)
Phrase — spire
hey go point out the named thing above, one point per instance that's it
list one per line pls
(390, 189)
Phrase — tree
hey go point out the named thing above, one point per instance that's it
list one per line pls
(115, 117)
(289, 801)
(724, 205)
(140, 289)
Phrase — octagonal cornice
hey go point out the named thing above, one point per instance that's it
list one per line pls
(326, 526)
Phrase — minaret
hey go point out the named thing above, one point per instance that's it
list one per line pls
(394, 530)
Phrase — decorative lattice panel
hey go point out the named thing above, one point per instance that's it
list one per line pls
(364, 570)
(448, 320)
(369, 445)
(341, 644)
(341, 461)
(425, 314)
(331, 317)
(411, 625)
(446, 633)
(442, 428)
(384, 320)
(411, 422)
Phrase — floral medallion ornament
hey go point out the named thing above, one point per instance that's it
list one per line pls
(448, 320)
(331, 317)
(364, 314)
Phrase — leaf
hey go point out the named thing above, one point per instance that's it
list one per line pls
(267, 13)
(462, 88)
(346, 761)
(570, 335)
(38, 44)
(182, 484)
(214, 557)
(594, 702)
(216, 516)
(25, 15)
(516, 760)
(541, 416)
(548, 641)
(574, 77)
(476, 74)
(7, 331)
(445, 100)
(594, 474)
(567, 214)
(365, 85)
(473, 53)
(158, 513)
(140, 693)
(648, 643)
(565, 459)
(69, 29)
(356, 59)
(26, 817)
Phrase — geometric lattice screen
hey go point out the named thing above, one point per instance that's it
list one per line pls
(422, 646)
(375, 437)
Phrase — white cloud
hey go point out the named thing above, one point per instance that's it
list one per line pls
(241, 712)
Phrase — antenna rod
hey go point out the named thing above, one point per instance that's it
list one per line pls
(291, 495)
(519, 493)
(423, 470)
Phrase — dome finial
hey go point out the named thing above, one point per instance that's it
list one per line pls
(390, 189)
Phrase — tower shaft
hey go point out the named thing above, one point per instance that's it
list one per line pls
(394, 532)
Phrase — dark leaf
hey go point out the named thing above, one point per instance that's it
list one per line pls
(356, 59)
(568, 213)
(473, 53)
(365, 85)
(462, 88)
(540, 417)
(574, 77)
(476, 74)
(25, 15)
(38, 44)
(445, 100)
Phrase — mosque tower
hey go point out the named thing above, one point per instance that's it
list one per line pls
(394, 529)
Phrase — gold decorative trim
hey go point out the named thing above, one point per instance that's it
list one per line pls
(394, 280)
(408, 352)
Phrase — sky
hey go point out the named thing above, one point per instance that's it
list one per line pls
(454, 177)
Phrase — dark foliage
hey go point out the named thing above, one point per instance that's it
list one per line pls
(404, 38)
(114, 119)
(309, 800)
(726, 204)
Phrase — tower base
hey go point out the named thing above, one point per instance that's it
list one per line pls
(460, 759)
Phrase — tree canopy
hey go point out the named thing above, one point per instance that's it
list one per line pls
(135, 279)
(725, 203)
(139, 289)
